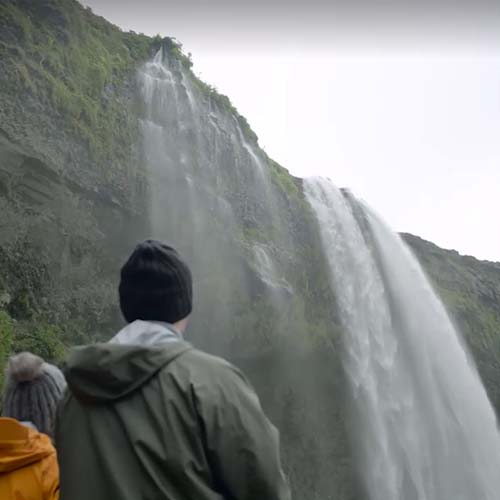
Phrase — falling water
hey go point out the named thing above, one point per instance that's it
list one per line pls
(210, 188)
(425, 429)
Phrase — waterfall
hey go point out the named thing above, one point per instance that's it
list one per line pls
(424, 427)
(212, 197)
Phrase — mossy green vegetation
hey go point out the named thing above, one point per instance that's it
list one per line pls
(72, 62)
(39, 337)
(283, 179)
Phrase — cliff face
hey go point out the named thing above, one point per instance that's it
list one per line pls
(99, 149)
(70, 184)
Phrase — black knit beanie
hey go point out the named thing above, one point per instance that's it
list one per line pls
(155, 285)
(33, 390)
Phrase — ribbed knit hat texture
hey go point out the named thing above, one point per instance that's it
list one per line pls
(33, 390)
(156, 284)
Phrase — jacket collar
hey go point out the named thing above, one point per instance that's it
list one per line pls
(146, 333)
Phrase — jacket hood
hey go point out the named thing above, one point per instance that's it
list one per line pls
(21, 445)
(105, 372)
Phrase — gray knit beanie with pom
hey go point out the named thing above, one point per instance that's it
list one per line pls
(33, 389)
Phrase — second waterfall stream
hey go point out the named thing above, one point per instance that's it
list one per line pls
(424, 427)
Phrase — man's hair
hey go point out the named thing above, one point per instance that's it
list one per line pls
(155, 285)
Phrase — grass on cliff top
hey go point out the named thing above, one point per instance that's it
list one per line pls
(71, 61)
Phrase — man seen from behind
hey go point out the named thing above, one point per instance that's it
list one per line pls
(148, 417)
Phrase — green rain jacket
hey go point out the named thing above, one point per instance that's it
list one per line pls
(163, 422)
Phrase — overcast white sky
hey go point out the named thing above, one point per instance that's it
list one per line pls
(400, 105)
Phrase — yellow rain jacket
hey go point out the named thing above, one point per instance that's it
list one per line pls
(28, 463)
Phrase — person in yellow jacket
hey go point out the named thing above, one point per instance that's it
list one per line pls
(28, 459)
